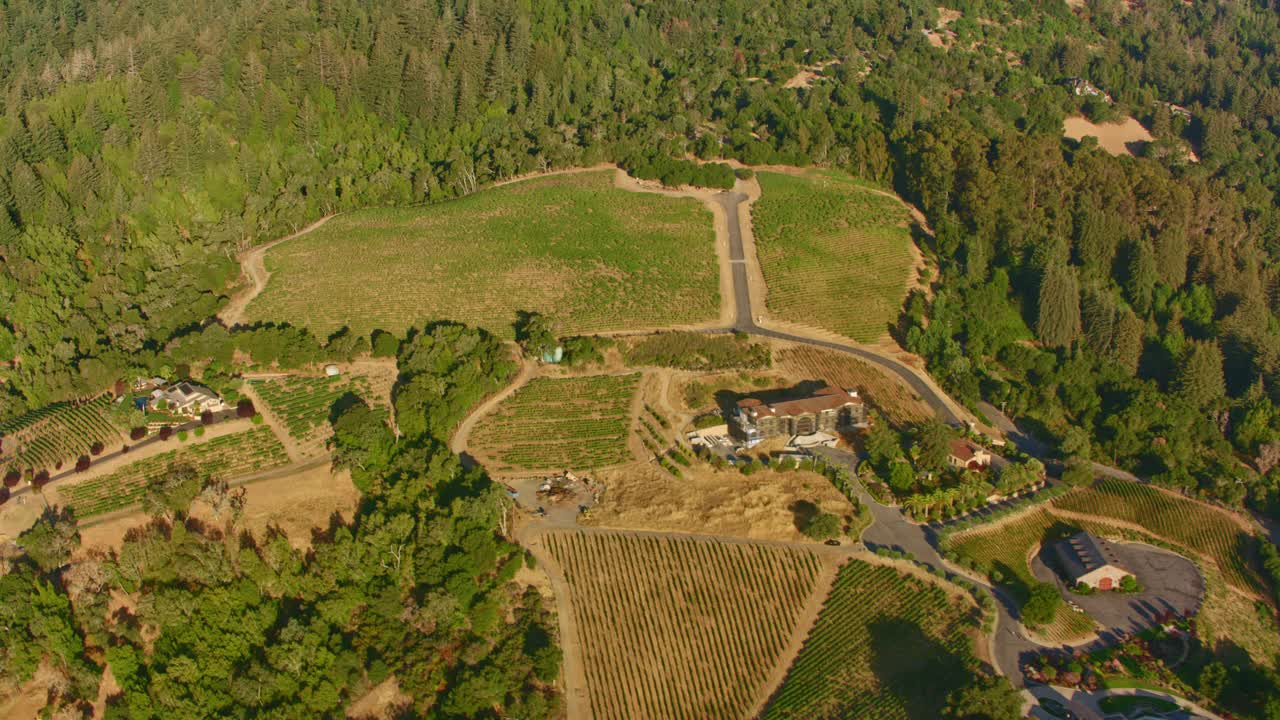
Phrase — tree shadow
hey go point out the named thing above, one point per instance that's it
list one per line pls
(802, 512)
(727, 400)
(917, 670)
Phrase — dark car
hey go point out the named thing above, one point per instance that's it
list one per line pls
(832, 542)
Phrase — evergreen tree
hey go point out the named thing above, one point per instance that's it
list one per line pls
(1199, 379)
(1058, 321)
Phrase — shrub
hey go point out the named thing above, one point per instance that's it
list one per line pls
(256, 420)
(166, 432)
(199, 431)
(96, 448)
(1129, 584)
(245, 408)
(83, 463)
(124, 449)
(11, 478)
(137, 433)
(1043, 604)
(822, 526)
(40, 479)
(4, 495)
(206, 418)
(182, 436)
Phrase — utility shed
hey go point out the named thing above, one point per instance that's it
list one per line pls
(1090, 560)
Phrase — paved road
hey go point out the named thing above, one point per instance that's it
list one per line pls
(745, 320)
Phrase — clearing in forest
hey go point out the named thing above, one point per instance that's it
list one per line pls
(1003, 550)
(224, 457)
(572, 246)
(900, 404)
(680, 627)
(834, 253)
(1118, 138)
(46, 438)
(1196, 526)
(579, 423)
(887, 646)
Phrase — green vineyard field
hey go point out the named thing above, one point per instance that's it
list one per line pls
(1004, 549)
(833, 253)
(302, 403)
(680, 629)
(58, 433)
(562, 423)
(1194, 525)
(572, 246)
(222, 457)
(887, 646)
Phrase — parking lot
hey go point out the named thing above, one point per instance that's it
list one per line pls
(1170, 584)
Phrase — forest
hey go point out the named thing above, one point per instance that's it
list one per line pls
(222, 623)
(144, 143)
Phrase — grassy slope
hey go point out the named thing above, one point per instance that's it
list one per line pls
(573, 246)
(833, 254)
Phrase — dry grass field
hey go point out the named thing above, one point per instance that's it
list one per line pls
(573, 246)
(899, 403)
(676, 628)
(833, 253)
(576, 423)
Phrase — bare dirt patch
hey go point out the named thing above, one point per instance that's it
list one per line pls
(808, 74)
(295, 503)
(714, 502)
(383, 702)
(1122, 138)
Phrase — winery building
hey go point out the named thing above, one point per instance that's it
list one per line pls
(828, 410)
(1090, 560)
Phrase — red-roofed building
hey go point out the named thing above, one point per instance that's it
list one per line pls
(968, 455)
(827, 410)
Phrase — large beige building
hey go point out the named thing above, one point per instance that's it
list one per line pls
(828, 410)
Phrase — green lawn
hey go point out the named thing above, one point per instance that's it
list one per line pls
(834, 254)
(574, 247)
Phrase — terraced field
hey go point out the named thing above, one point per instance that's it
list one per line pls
(223, 457)
(560, 423)
(1004, 549)
(887, 646)
(900, 404)
(680, 628)
(574, 247)
(1194, 525)
(833, 254)
(54, 434)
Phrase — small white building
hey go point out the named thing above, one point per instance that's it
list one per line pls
(188, 398)
(1090, 561)
(332, 370)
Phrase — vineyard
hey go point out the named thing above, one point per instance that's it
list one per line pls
(562, 423)
(570, 246)
(900, 405)
(1001, 552)
(222, 457)
(302, 403)
(680, 628)
(1198, 527)
(54, 434)
(886, 646)
(833, 253)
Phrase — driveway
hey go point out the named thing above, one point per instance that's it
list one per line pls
(1170, 584)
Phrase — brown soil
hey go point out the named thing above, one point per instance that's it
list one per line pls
(381, 703)
(1122, 138)
(808, 74)
(297, 503)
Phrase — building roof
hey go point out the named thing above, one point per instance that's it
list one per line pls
(828, 398)
(1083, 553)
(965, 450)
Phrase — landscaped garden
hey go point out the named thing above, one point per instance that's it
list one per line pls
(572, 246)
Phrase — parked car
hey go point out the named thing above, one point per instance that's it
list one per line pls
(832, 542)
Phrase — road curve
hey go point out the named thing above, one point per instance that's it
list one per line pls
(744, 319)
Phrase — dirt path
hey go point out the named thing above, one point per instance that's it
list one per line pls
(461, 436)
(253, 268)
